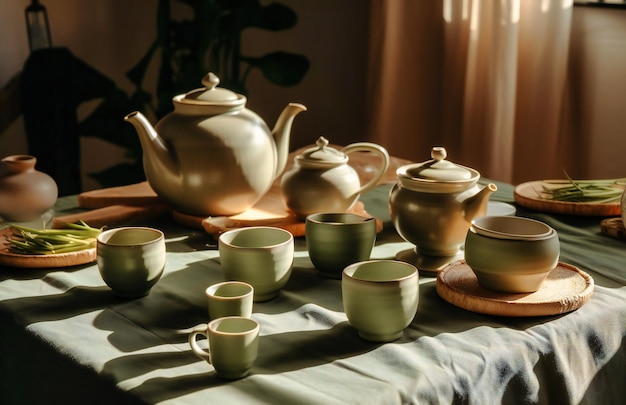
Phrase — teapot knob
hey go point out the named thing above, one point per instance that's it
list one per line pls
(438, 153)
(210, 81)
(321, 142)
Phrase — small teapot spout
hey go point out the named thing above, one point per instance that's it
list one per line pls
(282, 134)
(155, 152)
(476, 205)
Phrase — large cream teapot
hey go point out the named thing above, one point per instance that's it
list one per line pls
(432, 206)
(212, 156)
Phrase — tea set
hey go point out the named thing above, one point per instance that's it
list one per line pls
(214, 157)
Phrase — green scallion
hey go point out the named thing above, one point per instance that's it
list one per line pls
(70, 238)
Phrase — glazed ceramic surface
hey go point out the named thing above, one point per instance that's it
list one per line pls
(212, 156)
(26, 194)
(233, 345)
(511, 254)
(260, 256)
(335, 240)
(230, 298)
(321, 179)
(380, 298)
(131, 259)
(434, 203)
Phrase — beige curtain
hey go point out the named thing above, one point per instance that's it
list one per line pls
(486, 79)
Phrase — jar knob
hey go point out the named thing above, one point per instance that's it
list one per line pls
(438, 153)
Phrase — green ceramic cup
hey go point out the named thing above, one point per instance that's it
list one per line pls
(335, 240)
(230, 298)
(131, 259)
(261, 256)
(380, 298)
(511, 254)
(233, 345)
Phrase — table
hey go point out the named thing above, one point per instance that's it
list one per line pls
(66, 338)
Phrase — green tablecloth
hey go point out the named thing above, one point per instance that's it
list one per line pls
(65, 338)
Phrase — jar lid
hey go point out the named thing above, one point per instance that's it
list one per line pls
(212, 96)
(439, 169)
(322, 154)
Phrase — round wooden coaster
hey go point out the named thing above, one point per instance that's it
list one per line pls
(527, 195)
(565, 289)
(42, 261)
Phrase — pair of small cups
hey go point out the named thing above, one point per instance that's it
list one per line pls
(232, 335)
(380, 297)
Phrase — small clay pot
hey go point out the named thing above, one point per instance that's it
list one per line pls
(25, 193)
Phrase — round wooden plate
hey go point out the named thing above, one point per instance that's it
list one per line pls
(565, 289)
(527, 195)
(42, 261)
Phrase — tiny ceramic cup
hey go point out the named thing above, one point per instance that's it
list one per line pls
(261, 256)
(335, 240)
(131, 259)
(230, 298)
(380, 298)
(232, 345)
(511, 254)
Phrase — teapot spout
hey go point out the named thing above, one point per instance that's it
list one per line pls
(476, 205)
(155, 152)
(282, 134)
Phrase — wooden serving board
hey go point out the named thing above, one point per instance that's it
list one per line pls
(138, 201)
(565, 289)
(527, 195)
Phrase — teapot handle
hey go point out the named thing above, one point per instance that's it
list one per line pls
(375, 149)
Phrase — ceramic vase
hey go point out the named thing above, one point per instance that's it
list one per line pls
(25, 193)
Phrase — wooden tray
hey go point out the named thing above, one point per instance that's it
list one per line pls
(42, 261)
(527, 195)
(565, 289)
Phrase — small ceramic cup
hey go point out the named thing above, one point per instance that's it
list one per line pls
(131, 259)
(261, 256)
(233, 345)
(335, 240)
(230, 298)
(511, 254)
(380, 298)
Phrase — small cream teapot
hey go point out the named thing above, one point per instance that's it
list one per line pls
(212, 156)
(432, 206)
(321, 180)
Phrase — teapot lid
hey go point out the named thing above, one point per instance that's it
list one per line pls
(322, 155)
(439, 169)
(219, 99)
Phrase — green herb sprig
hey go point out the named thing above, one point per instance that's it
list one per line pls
(596, 191)
(71, 238)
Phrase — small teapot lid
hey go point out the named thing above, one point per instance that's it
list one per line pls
(219, 99)
(439, 169)
(322, 155)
